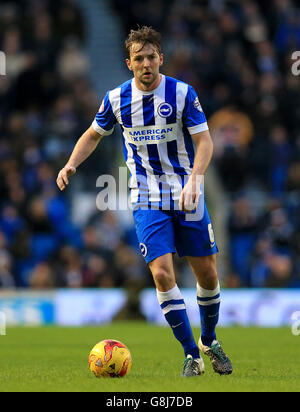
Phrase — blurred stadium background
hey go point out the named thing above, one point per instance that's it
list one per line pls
(61, 259)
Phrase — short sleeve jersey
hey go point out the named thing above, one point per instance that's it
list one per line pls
(156, 128)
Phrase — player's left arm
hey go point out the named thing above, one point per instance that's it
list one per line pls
(204, 150)
(194, 119)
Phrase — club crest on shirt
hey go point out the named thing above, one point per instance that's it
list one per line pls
(165, 109)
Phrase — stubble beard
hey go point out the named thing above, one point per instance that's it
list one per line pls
(148, 82)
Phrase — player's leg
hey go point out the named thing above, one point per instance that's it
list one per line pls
(195, 240)
(155, 233)
(208, 295)
(174, 310)
(163, 272)
(208, 299)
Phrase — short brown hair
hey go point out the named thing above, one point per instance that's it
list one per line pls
(143, 35)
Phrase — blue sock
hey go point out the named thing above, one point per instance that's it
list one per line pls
(173, 307)
(209, 305)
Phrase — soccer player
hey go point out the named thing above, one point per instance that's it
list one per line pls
(160, 118)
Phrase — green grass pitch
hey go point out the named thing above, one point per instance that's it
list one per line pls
(40, 359)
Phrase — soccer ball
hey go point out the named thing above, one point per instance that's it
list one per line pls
(110, 358)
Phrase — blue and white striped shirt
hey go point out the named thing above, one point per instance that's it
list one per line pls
(157, 128)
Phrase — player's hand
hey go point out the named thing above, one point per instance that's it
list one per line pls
(189, 196)
(63, 176)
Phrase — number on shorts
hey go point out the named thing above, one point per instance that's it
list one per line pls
(211, 233)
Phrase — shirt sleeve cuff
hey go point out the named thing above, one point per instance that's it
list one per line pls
(100, 130)
(198, 128)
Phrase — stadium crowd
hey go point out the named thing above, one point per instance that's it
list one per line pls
(237, 55)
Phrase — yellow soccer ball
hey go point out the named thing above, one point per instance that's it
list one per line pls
(110, 359)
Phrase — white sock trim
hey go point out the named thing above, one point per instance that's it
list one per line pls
(173, 293)
(206, 293)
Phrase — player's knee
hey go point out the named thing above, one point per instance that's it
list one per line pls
(210, 276)
(164, 280)
(207, 274)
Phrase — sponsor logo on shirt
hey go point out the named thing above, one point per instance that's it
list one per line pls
(101, 107)
(151, 134)
(197, 105)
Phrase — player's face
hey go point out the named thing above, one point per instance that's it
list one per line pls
(145, 64)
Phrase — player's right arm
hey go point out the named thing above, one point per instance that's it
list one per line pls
(103, 125)
(85, 145)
